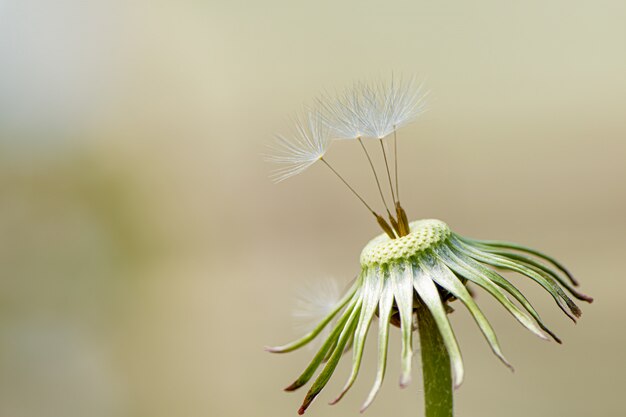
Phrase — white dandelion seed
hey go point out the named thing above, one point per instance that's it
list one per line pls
(392, 105)
(314, 301)
(347, 115)
(303, 148)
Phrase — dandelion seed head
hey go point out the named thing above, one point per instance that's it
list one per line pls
(424, 234)
(431, 267)
(410, 274)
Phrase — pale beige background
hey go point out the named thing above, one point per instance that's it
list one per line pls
(147, 259)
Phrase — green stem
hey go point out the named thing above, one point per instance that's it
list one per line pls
(435, 366)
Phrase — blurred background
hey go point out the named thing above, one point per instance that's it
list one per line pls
(146, 258)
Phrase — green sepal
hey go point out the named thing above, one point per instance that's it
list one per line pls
(429, 294)
(331, 341)
(372, 287)
(402, 283)
(451, 260)
(329, 368)
(384, 314)
(515, 246)
(562, 300)
(463, 258)
(443, 276)
(320, 326)
(542, 269)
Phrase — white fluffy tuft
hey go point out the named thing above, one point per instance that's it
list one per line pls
(314, 301)
(306, 146)
(373, 110)
(393, 104)
(347, 114)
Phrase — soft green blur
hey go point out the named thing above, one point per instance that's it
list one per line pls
(146, 258)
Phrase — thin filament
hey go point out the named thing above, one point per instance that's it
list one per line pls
(382, 146)
(380, 190)
(395, 160)
(348, 185)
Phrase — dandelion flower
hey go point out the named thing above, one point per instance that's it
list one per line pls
(429, 266)
(409, 276)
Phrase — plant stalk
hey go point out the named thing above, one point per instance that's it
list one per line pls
(435, 366)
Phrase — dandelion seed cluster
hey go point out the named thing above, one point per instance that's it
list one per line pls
(421, 263)
(363, 111)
